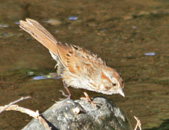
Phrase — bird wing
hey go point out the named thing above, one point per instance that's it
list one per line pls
(74, 58)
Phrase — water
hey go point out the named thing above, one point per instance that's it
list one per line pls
(121, 46)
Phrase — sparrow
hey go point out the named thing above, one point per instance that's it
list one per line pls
(79, 68)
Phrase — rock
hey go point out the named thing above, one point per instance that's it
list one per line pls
(82, 115)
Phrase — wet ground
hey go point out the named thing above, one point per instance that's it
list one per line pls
(119, 31)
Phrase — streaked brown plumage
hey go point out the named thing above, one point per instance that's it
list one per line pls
(78, 68)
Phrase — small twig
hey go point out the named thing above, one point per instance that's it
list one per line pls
(14, 102)
(29, 112)
(138, 124)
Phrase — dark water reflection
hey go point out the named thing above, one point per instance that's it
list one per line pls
(121, 32)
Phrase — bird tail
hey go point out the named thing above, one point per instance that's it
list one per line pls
(37, 31)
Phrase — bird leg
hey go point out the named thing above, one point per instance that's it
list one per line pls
(68, 91)
(87, 97)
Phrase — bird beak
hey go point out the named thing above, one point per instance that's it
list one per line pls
(121, 92)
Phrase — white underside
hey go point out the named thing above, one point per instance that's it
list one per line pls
(84, 83)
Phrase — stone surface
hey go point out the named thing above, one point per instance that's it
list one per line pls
(82, 115)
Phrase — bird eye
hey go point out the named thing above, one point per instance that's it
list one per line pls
(114, 84)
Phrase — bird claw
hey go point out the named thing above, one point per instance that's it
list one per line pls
(65, 95)
(87, 97)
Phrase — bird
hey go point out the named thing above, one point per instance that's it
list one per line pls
(78, 67)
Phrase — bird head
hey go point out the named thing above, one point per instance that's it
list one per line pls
(112, 83)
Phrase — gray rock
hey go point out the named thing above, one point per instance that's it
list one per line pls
(82, 115)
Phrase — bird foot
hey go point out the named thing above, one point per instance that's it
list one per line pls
(87, 97)
(65, 95)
